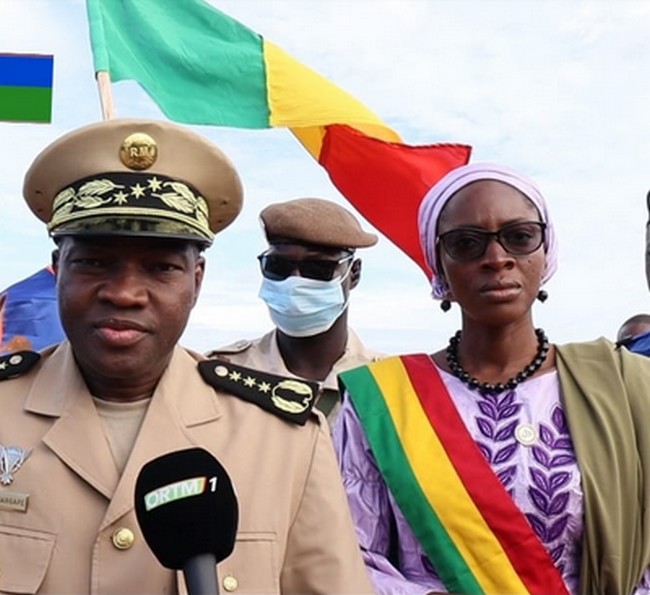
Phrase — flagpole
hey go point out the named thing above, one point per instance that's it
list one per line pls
(105, 95)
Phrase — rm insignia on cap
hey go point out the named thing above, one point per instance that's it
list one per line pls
(138, 151)
(17, 363)
(288, 398)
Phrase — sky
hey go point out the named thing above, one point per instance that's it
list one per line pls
(558, 90)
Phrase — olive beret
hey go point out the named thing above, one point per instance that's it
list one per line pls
(314, 221)
(134, 177)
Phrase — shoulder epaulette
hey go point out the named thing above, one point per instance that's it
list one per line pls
(289, 398)
(236, 347)
(17, 363)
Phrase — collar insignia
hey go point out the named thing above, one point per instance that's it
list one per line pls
(289, 398)
(11, 459)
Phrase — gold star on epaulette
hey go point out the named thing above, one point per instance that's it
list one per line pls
(289, 398)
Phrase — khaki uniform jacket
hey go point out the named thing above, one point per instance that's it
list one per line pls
(263, 354)
(295, 534)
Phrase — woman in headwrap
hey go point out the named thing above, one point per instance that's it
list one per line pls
(501, 463)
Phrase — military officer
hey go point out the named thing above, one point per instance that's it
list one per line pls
(308, 272)
(131, 205)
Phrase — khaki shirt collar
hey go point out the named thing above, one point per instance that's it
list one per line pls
(59, 383)
(355, 354)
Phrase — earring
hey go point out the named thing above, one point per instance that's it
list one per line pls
(542, 296)
(445, 305)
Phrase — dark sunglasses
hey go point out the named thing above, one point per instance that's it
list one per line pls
(278, 268)
(517, 239)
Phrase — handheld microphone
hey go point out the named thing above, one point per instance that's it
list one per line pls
(188, 513)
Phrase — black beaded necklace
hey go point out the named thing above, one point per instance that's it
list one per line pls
(458, 370)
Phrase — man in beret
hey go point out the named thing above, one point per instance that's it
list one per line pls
(308, 272)
(131, 206)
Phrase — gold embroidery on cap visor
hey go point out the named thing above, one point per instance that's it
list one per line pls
(131, 203)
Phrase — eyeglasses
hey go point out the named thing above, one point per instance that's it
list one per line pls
(278, 268)
(517, 239)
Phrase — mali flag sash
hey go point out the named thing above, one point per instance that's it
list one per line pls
(473, 533)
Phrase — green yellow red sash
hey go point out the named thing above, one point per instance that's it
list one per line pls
(473, 533)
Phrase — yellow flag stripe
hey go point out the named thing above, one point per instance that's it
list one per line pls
(300, 98)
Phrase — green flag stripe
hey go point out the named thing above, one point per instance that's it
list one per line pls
(26, 104)
(384, 441)
(186, 56)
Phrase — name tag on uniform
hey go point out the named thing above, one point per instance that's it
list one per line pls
(15, 501)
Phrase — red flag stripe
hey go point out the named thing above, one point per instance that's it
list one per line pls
(386, 181)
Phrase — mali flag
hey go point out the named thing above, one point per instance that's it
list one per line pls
(203, 67)
(26, 87)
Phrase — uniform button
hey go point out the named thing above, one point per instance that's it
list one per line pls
(230, 583)
(123, 538)
(221, 371)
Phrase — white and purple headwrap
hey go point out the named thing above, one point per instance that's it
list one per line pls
(438, 196)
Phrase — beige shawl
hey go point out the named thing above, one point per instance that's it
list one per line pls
(606, 394)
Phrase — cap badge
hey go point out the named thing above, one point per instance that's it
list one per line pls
(11, 459)
(138, 151)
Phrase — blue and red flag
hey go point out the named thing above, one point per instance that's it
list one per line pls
(29, 314)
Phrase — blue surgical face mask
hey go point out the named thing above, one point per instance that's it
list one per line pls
(302, 307)
(639, 344)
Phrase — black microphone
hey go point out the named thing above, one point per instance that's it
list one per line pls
(188, 513)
